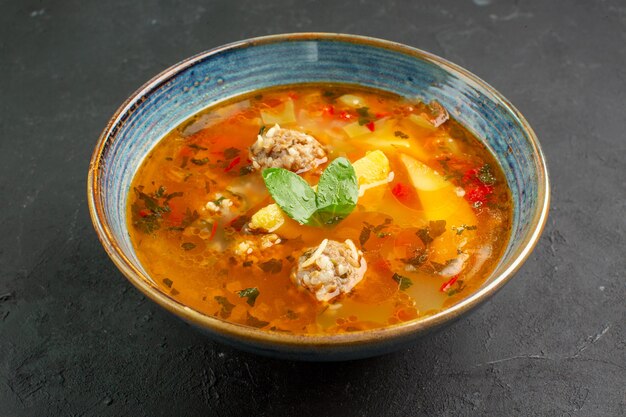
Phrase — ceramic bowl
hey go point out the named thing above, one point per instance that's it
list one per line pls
(238, 68)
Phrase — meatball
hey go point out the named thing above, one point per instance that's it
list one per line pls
(287, 148)
(331, 269)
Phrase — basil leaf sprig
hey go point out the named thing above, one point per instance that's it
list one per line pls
(336, 196)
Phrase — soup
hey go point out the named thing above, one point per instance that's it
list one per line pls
(318, 209)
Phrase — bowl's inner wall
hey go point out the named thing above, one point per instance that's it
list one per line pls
(240, 70)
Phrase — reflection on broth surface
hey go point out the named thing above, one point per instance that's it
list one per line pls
(319, 209)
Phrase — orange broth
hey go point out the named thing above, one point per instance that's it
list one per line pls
(426, 248)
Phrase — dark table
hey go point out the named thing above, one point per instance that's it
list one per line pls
(77, 340)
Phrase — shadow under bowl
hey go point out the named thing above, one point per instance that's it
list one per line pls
(239, 68)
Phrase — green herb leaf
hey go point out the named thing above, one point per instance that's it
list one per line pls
(292, 194)
(402, 281)
(168, 282)
(400, 134)
(188, 246)
(250, 293)
(337, 191)
(336, 196)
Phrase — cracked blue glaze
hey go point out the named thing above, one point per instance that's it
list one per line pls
(218, 75)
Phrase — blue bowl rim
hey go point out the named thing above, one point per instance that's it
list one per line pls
(250, 335)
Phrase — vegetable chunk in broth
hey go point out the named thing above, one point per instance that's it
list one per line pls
(319, 209)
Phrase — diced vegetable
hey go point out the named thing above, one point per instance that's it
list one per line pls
(269, 218)
(422, 176)
(351, 100)
(359, 129)
(421, 122)
(356, 129)
(373, 167)
(439, 200)
(282, 115)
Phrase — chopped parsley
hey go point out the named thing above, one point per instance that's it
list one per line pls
(364, 115)
(197, 147)
(460, 229)
(218, 202)
(148, 209)
(250, 293)
(245, 170)
(189, 218)
(168, 282)
(434, 229)
(199, 161)
(403, 282)
(227, 306)
(230, 153)
(420, 256)
(401, 134)
(255, 322)
(273, 266)
(368, 229)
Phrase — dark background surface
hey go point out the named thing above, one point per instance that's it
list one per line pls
(77, 340)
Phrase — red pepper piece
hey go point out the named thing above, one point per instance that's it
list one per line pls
(232, 164)
(448, 284)
(328, 110)
(371, 126)
(475, 191)
(402, 192)
(213, 230)
(345, 115)
(144, 213)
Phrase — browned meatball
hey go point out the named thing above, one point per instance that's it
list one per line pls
(287, 148)
(330, 269)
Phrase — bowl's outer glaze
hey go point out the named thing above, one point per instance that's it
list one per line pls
(220, 74)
